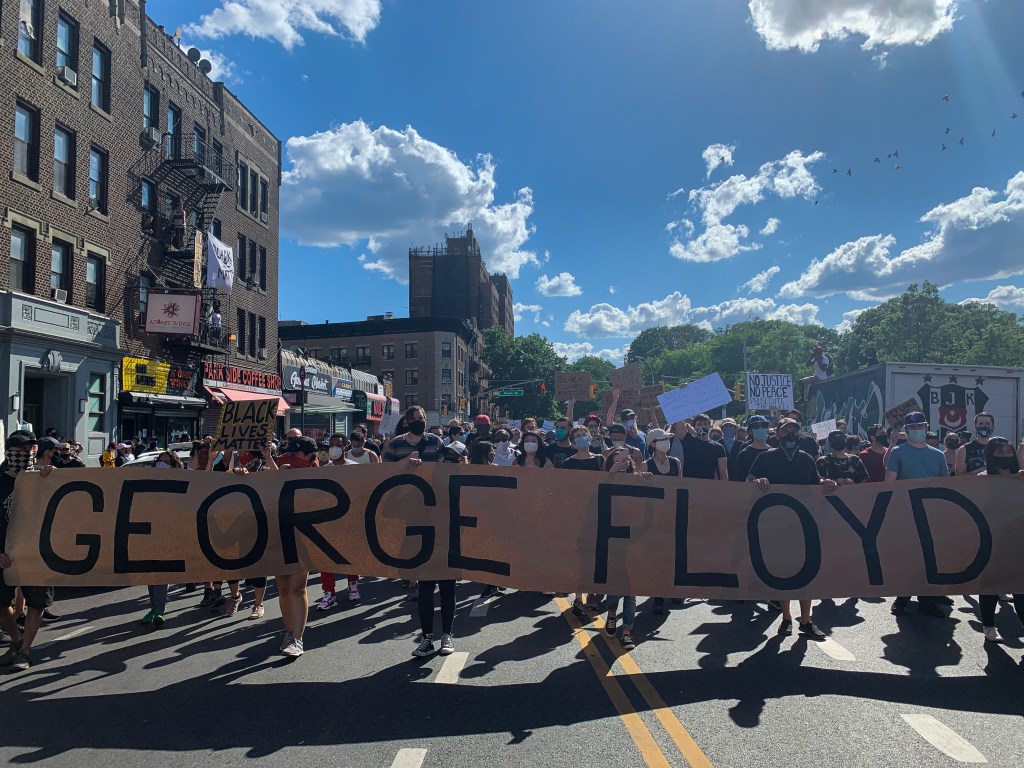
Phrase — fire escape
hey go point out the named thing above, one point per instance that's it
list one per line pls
(193, 173)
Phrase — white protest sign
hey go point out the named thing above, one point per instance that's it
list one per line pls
(822, 428)
(696, 397)
(548, 426)
(769, 390)
(515, 423)
(388, 422)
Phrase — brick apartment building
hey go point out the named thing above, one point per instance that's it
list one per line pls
(121, 150)
(434, 362)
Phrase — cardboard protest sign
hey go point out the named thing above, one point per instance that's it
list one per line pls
(388, 423)
(515, 423)
(895, 415)
(822, 428)
(654, 416)
(573, 385)
(649, 395)
(698, 396)
(769, 390)
(246, 425)
(617, 534)
(628, 398)
(627, 377)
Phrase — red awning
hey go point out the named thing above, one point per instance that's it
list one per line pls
(223, 394)
(376, 398)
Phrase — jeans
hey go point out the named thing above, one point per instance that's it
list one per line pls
(426, 605)
(158, 598)
(987, 605)
(628, 609)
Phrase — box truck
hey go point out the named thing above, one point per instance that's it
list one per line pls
(949, 395)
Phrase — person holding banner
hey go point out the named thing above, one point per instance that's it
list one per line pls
(660, 462)
(757, 428)
(705, 459)
(504, 454)
(357, 452)
(533, 452)
(158, 592)
(838, 465)
(583, 458)
(619, 437)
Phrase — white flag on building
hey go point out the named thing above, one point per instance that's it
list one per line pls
(220, 264)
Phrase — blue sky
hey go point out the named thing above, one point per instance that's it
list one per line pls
(673, 162)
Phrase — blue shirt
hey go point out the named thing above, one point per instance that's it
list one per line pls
(913, 463)
(639, 442)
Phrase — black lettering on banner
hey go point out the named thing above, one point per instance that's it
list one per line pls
(259, 512)
(812, 543)
(683, 577)
(605, 530)
(91, 540)
(124, 528)
(458, 521)
(427, 533)
(291, 521)
(868, 534)
(932, 573)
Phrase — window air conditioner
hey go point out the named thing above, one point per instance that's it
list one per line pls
(152, 136)
(263, 217)
(68, 75)
(262, 353)
(59, 294)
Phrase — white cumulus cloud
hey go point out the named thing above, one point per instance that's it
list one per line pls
(1008, 297)
(716, 155)
(771, 226)
(849, 318)
(608, 321)
(977, 237)
(562, 284)
(286, 20)
(520, 310)
(760, 281)
(395, 188)
(577, 349)
(804, 24)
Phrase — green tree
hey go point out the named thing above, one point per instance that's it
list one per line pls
(652, 342)
(523, 358)
(600, 376)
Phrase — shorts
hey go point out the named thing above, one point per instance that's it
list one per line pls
(39, 598)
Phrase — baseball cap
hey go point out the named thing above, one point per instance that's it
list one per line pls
(20, 438)
(915, 417)
(49, 444)
(657, 434)
(457, 447)
(483, 418)
(592, 418)
(786, 422)
(756, 419)
(617, 428)
(302, 445)
(627, 413)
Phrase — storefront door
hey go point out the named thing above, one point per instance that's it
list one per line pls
(44, 404)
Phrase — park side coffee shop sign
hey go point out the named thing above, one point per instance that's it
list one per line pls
(621, 535)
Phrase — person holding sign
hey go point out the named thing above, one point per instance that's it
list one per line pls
(705, 459)
(788, 465)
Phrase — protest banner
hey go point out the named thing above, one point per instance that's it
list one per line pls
(627, 377)
(618, 535)
(698, 396)
(388, 423)
(822, 428)
(246, 425)
(895, 415)
(769, 390)
(654, 416)
(572, 385)
(628, 398)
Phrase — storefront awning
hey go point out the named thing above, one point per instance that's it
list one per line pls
(321, 403)
(223, 394)
(146, 398)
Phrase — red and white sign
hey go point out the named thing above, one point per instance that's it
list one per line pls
(173, 313)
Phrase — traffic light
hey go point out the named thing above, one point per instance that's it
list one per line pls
(593, 391)
(543, 389)
(737, 391)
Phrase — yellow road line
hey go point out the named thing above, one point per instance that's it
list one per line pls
(649, 749)
(678, 733)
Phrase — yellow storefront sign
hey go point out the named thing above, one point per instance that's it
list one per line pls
(138, 374)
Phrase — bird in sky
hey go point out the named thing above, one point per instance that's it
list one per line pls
(835, 170)
(993, 133)
(961, 141)
(1022, 93)
(947, 130)
(849, 172)
(878, 160)
(815, 202)
(896, 154)
(946, 97)
(943, 147)
(1013, 116)
(897, 167)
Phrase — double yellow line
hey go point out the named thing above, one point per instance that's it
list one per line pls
(649, 749)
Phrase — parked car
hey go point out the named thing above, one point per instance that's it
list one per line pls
(148, 459)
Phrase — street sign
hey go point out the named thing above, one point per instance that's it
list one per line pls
(510, 393)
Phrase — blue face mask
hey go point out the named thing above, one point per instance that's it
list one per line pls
(560, 433)
(630, 423)
(583, 441)
(760, 433)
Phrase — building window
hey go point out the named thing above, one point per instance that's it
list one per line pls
(217, 156)
(150, 107)
(242, 251)
(97, 402)
(145, 284)
(243, 185)
(410, 350)
(60, 263)
(412, 376)
(387, 351)
(63, 162)
(387, 375)
(264, 199)
(67, 43)
(261, 334)
(215, 228)
(263, 268)
(362, 354)
(462, 379)
(147, 196)
(199, 145)
(98, 179)
(28, 29)
(252, 260)
(411, 399)
(100, 77)
(22, 248)
(26, 141)
(254, 191)
(174, 131)
(94, 282)
(252, 334)
(240, 331)
(446, 349)
(446, 375)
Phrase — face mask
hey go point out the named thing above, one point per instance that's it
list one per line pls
(335, 452)
(837, 445)
(583, 441)
(983, 431)
(630, 423)
(882, 440)
(19, 461)
(662, 445)
(619, 443)
(703, 432)
(530, 447)
(760, 433)
(503, 446)
(595, 434)
(560, 433)
(916, 435)
(1005, 463)
(417, 427)
(790, 441)
(461, 437)
(729, 432)
(162, 465)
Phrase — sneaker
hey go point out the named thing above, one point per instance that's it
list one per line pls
(594, 602)
(413, 595)
(190, 587)
(286, 639)
(447, 646)
(21, 662)
(208, 598)
(426, 646)
(148, 618)
(992, 635)
(326, 602)
(294, 649)
(811, 632)
(626, 641)
(577, 609)
(257, 613)
(49, 616)
(611, 623)
(12, 652)
(231, 606)
(353, 594)
(678, 600)
(158, 619)
(786, 627)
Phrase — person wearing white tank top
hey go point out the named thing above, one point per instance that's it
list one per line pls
(357, 453)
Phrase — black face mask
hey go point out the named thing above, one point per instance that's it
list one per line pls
(790, 441)
(417, 427)
(882, 440)
(1005, 463)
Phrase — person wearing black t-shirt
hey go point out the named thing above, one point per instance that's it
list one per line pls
(757, 428)
(807, 443)
(583, 458)
(839, 465)
(705, 459)
(788, 465)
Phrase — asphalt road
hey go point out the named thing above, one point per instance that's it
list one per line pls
(708, 684)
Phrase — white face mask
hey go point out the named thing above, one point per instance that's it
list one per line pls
(619, 443)
(530, 447)
(662, 445)
(335, 452)
(503, 446)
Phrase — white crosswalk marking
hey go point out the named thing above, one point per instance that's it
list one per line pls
(944, 739)
(481, 605)
(834, 650)
(452, 668)
(409, 758)
(68, 636)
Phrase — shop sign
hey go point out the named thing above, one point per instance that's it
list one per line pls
(173, 313)
(153, 377)
(343, 388)
(317, 383)
(374, 409)
(245, 379)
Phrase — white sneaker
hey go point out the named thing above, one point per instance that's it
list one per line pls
(447, 646)
(286, 639)
(353, 594)
(992, 635)
(326, 602)
(293, 649)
